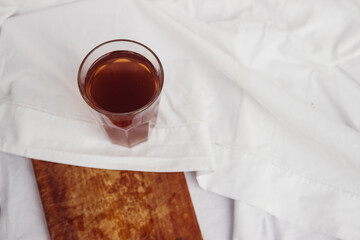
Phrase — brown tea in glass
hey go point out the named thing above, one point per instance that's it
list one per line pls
(121, 80)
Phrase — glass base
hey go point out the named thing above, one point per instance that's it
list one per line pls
(128, 137)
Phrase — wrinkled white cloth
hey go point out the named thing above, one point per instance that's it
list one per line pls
(261, 98)
(10, 8)
(44, 116)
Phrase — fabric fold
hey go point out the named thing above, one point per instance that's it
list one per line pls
(308, 166)
(301, 201)
(259, 98)
(43, 115)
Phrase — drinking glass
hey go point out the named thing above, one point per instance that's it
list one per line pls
(112, 80)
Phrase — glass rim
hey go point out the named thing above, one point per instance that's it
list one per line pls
(134, 112)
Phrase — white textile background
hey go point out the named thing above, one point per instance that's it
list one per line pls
(261, 98)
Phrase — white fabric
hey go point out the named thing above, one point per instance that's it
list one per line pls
(269, 90)
(17, 7)
(44, 117)
(253, 223)
(21, 215)
(299, 129)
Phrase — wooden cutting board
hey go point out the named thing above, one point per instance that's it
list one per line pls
(86, 203)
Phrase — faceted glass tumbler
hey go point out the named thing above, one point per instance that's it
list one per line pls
(123, 128)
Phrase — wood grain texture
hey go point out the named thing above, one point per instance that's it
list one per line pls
(86, 203)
